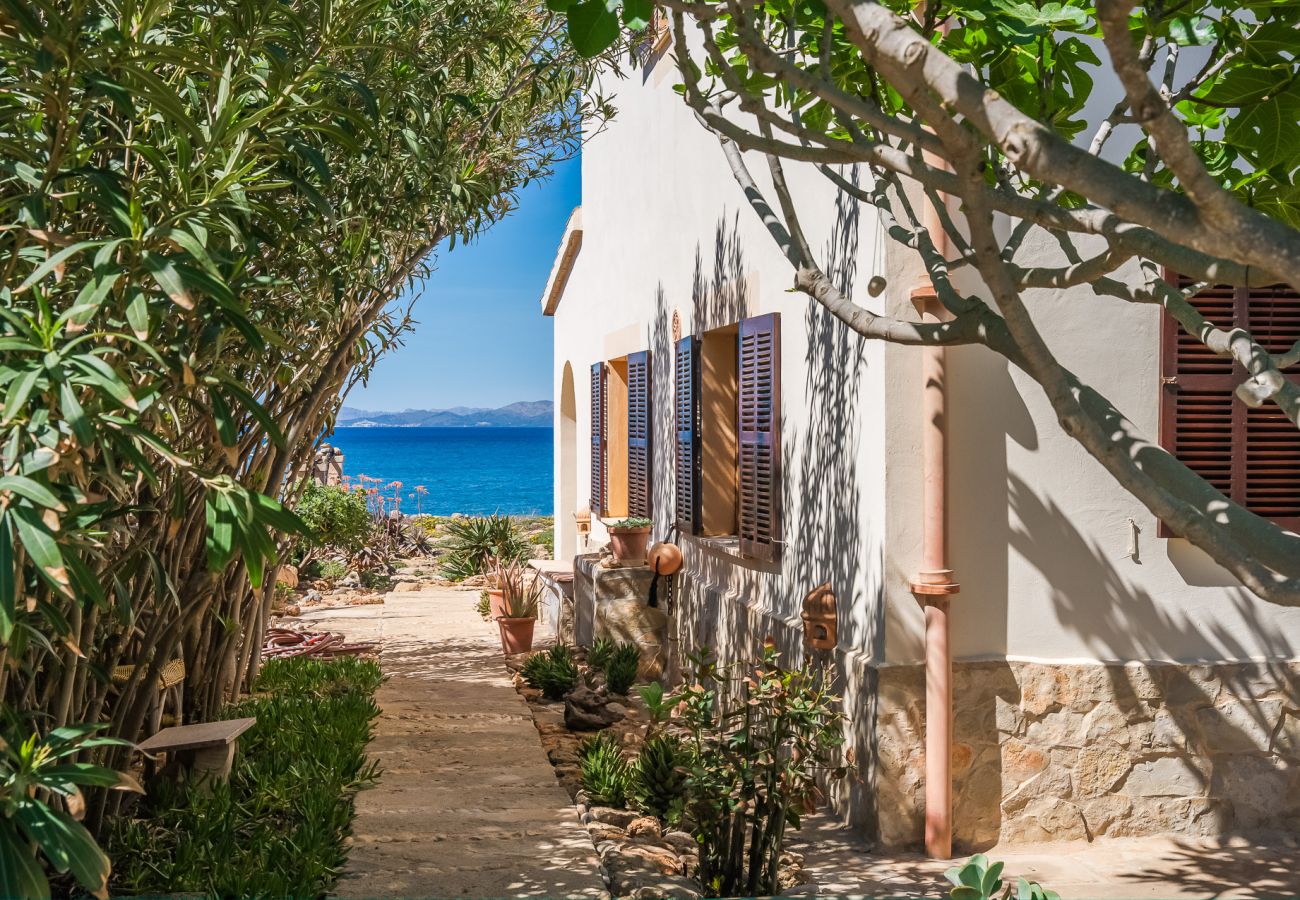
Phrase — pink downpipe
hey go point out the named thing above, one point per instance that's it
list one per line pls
(934, 583)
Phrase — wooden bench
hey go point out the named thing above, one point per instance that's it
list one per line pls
(206, 750)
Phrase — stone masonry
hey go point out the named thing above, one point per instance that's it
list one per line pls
(1049, 751)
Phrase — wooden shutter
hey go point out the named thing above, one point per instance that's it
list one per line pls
(759, 439)
(638, 434)
(1251, 455)
(599, 486)
(686, 413)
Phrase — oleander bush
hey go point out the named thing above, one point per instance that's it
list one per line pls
(206, 209)
(278, 826)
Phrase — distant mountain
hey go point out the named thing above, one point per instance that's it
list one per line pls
(526, 412)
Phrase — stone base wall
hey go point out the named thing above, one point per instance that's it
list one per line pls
(1047, 751)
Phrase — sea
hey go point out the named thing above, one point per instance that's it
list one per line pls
(478, 471)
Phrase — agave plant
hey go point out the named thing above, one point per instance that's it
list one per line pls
(521, 590)
(473, 544)
(621, 668)
(657, 783)
(605, 772)
(554, 673)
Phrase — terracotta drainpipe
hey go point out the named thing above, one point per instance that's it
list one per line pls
(934, 584)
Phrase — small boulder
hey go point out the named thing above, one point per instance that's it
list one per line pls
(584, 710)
(645, 826)
(620, 818)
(406, 587)
(676, 887)
(601, 831)
(288, 576)
(681, 841)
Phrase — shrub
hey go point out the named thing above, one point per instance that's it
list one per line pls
(605, 772)
(978, 879)
(521, 590)
(332, 569)
(472, 544)
(657, 783)
(601, 649)
(620, 669)
(554, 673)
(278, 826)
(758, 740)
(336, 519)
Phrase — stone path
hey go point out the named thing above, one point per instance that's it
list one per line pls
(467, 805)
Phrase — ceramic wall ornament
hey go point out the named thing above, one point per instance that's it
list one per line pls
(819, 618)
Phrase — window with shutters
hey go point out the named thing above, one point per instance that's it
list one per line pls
(1251, 455)
(727, 413)
(639, 459)
(599, 500)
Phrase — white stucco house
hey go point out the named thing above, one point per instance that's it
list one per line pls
(1107, 679)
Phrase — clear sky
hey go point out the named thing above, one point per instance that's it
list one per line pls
(481, 339)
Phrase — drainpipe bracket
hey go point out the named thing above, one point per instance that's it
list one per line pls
(935, 590)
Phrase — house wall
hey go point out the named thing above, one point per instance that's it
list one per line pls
(1041, 537)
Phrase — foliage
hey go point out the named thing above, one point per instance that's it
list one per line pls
(657, 703)
(544, 539)
(521, 590)
(484, 606)
(978, 879)
(376, 580)
(332, 569)
(206, 211)
(620, 669)
(40, 808)
(602, 648)
(474, 544)
(757, 741)
(635, 522)
(657, 783)
(336, 519)
(962, 127)
(278, 827)
(605, 772)
(554, 672)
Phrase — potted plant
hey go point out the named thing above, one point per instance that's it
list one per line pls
(628, 539)
(496, 598)
(521, 595)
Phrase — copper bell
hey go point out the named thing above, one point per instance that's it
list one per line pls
(819, 618)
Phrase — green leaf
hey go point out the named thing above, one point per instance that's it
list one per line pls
(32, 490)
(8, 587)
(18, 393)
(37, 539)
(67, 844)
(163, 270)
(593, 27)
(1268, 133)
(52, 263)
(137, 315)
(637, 14)
(20, 874)
(1193, 31)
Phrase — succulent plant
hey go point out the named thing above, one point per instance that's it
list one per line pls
(554, 672)
(658, 782)
(599, 654)
(605, 772)
(620, 669)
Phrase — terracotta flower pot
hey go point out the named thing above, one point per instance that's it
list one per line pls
(629, 544)
(496, 603)
(516, 634)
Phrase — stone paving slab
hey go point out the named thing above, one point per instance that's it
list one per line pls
(1107, 869)
(467, 805)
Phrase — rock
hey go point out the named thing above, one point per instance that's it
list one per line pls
(1099, 770)
(601, 831)
(288, 575)
(1239, 727)
(610, 816)
(677, 887)
(293, 609)
(312, 597)
(681, 841)
(584, 710)
(406, 587)
(641, 858)
(1165, 776)
(645, 826)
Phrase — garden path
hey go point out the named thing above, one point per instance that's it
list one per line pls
(467, 804)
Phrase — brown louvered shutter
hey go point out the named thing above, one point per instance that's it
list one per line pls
(638, 434)
(759, 439)
(686, 413)
(598, 483)
(1251, 455)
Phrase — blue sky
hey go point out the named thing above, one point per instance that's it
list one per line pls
(481, 339)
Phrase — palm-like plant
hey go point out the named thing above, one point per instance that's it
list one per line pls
(521, 589)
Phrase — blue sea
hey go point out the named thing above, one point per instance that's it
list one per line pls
(467, 470)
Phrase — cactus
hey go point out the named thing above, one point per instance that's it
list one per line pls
(554, 673)
(620, 670)
(605, 773)
(658, 783)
